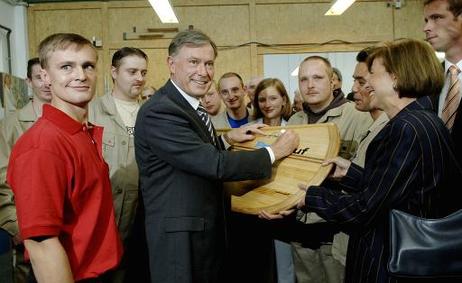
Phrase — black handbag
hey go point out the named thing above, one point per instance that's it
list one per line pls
(422, 247)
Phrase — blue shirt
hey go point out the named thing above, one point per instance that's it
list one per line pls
(237, 123)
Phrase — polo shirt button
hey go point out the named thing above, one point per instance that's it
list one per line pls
(124, 142)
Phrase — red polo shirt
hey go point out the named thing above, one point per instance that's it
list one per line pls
(62, 188)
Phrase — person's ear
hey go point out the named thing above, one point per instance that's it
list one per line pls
(171, 64)
(29, 82)
(395, 82)
(114, 72)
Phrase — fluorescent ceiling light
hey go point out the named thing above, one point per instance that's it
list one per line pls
(164, 10)
(339, 7)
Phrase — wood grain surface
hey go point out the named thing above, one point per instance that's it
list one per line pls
(317, 143)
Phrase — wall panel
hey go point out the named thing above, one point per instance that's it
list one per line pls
(409, 20)
(306, 23)
(237, 26)
(158, 72)
(85, 21)
(227, 24)
(233, 60)
(121, 19)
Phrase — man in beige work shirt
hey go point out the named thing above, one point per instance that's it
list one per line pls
(12, 127)
(313, 259)
(116, 112)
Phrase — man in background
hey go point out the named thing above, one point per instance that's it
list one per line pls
(116, 112)
(147, 92)
(231, 88)
(11, 128)
(212, 101)
(337, 81)
(298, 102)
(312, 244)
(362, 99)
(259, 264)
(250, 88)
(443, 30)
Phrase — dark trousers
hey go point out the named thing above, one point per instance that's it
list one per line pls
(6, 258)
(251, 256)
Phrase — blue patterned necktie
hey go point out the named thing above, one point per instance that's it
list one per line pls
(206, 119)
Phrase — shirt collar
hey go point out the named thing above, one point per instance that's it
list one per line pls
(448, 64)
(194, 102)
(61, 119)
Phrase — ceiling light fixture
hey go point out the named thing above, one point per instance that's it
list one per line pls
(164, 10)
(339, 7)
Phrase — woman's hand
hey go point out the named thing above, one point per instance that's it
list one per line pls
(341, 166)
(271, 216)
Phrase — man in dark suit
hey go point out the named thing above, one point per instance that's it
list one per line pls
(443, 30)
(182, 166)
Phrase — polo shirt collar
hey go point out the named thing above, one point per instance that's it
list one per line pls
(61, 119)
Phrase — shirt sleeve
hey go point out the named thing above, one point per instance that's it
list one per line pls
(270, 151)
(381, 184)
(39, 181)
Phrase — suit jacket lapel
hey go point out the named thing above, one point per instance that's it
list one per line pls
(174, 95)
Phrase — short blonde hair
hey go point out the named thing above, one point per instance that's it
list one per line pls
(230, 75)
(61, 41)
(329, 69)
(415, 65)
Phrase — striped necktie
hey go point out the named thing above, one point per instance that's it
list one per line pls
(206, 119)
(452, 98)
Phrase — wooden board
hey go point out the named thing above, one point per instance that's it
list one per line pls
(317, 143)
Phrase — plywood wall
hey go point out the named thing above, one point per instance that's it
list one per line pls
(244, 30)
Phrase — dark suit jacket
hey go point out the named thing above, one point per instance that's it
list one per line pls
(410, 166)
(181, 174)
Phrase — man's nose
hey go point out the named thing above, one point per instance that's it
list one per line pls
(427, 26)
(202, 70)
(80, 73)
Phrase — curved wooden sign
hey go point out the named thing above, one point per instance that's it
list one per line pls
(317, 143)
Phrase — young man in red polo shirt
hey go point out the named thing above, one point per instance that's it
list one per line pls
(58, 175)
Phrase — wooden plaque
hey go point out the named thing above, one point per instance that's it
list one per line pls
(317, 143)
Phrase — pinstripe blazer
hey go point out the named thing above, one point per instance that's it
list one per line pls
(409, 165)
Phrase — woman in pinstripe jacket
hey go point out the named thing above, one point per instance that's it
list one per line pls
(409, 165)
